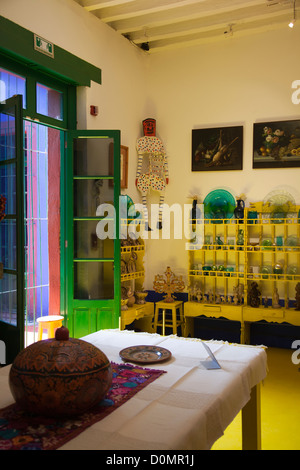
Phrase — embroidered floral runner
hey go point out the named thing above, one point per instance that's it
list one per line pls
(22, 431)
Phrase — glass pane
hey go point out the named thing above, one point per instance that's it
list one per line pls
(87, 244)
(89, 194)
(8, 244)
(94, 280)
(49, 102)
(36, 148)
(8, 187)
(93, 156)
(7, 137)
(12, 84)
(8, 226)
(42, 222)
(8, 299)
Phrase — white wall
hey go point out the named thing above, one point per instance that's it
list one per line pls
(237, 80)
(122, 96)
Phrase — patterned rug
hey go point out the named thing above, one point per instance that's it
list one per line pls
(23, 431)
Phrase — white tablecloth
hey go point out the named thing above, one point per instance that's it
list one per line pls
(187, 408)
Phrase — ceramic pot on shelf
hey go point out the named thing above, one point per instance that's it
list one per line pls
(239, 210)
(140, 297)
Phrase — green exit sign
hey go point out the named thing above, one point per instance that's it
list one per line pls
(43, 46)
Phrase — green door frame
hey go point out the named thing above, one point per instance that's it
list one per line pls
(87, 316)
(63, 72)
(28, 112)
(32, 78)
(14, 334)
(17, 43)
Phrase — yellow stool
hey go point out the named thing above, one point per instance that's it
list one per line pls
(50, 322)
(175, 322)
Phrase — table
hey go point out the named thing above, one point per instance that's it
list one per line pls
(187, 408)
(141, 314)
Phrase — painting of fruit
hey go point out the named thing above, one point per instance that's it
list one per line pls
(276, 144)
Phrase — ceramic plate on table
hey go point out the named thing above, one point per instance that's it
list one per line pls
(145, 354)
(219, 204)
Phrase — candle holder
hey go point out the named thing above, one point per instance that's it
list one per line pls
(169, 285)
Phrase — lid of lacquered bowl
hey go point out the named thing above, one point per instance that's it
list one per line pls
(61, 354)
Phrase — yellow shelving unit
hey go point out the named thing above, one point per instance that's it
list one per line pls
(132, 275)
(237, 252)
(273, 262)
(216, 272)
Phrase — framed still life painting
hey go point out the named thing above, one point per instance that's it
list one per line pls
(276, 144)
(219, 148)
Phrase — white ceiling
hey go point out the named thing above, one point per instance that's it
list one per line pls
(155, 25)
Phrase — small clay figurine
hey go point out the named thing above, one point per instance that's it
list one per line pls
(275, 299)
(240, 288)
(235, 295)
(131, 264)
(131, 297)
(254, 295)
(124, 305)
(127, 294)
(199, 295)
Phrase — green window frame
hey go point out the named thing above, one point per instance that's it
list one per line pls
(34, 78)
(62, 72)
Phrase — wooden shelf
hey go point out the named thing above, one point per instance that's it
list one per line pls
(130, 248)
(132, 276)
(132, 262)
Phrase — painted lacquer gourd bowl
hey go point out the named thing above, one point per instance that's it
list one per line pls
(60, 377)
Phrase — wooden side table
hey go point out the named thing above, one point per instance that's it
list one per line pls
(175, 321)
(142, 314)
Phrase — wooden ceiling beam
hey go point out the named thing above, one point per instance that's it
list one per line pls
(188, 20)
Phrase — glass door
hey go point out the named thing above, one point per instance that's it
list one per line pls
(92, 246)
(42, 204)
(12, 227)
